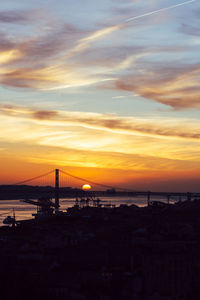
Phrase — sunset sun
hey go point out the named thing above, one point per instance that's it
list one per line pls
(86, 187)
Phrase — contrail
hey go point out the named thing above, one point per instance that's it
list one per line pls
(159, 10)
(85, 42)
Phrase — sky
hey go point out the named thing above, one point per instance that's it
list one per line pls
(107, 90)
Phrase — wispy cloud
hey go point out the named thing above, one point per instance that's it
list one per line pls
(68, 56)
(84, 43)
(105, 141)
(191, 30)
(20, 17)
(175, 86)
(109, 122)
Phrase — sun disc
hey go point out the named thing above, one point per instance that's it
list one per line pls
(86, 187)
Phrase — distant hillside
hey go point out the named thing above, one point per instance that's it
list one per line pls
(12, 192)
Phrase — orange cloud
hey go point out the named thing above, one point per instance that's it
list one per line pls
(103, 141)
(177, 86)
(166, 128)
(137, 152)
(19, 162)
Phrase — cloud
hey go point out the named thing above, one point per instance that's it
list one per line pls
(53, 42)
(67, 56)
(45, 56)
(168, 128)
(17, 17)
(175, 86)
(93, 140)
(5, 42)
(190, 29)
(84, 43)
(49, 69)
(45, 114)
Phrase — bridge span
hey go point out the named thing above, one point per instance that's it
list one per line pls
(58, 190)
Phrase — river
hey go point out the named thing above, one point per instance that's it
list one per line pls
(24, 211)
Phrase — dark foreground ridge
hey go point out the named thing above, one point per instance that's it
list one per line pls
(148, 253)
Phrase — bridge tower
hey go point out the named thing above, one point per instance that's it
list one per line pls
(57, 190)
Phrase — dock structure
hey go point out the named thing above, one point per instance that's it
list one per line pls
(168, 195)
(57, 190)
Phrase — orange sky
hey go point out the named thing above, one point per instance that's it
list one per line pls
(16, 169)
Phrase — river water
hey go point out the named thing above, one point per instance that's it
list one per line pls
(24, 211)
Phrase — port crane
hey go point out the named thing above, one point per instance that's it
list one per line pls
(45, 205)
(10, 220)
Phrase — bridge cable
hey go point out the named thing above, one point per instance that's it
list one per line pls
(95, 183)
(33, 178)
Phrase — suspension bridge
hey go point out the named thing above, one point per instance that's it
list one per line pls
(61, 183)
